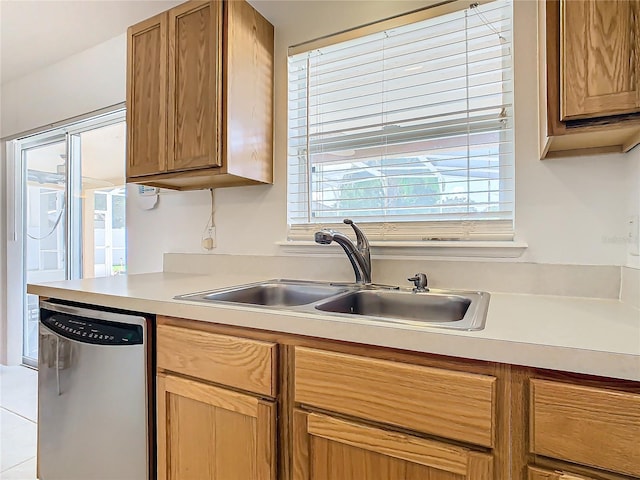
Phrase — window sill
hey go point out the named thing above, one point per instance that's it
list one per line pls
(462, 248)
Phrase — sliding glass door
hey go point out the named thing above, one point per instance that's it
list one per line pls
(72, 209)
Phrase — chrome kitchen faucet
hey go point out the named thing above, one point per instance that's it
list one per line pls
(359, 254)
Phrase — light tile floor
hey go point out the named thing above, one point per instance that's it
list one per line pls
(18, 416)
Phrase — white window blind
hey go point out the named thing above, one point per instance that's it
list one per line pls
(408, 131)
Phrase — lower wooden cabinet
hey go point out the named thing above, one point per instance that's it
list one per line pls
(329, 448)
(595, 427)
(348, 412)
(207, 432)
(535, 473)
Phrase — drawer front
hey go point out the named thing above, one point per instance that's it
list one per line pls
(237, 362)
(591, 426)
(535, 473)
(449, 404)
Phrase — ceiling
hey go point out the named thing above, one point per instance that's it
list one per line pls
(38, 33)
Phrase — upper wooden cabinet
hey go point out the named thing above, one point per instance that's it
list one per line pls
(599, 58)
(590, 81)
(200, 97)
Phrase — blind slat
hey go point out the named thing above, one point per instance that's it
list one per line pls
(428, 123)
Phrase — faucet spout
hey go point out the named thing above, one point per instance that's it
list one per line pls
(358, 254)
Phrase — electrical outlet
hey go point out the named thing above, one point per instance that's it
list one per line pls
(634, 235)
(209, 243)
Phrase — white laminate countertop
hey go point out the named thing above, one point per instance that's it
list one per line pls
(583, 335)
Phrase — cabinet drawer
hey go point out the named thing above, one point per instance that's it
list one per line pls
(449, 404)
(237, 362)
(535, 473)
(586, 425)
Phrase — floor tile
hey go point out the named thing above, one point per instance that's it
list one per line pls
(18, 438)
(24, 471)
(19, 391)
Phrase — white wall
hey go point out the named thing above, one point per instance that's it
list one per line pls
(566, 209)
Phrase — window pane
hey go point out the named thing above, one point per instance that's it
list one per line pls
(410, 124)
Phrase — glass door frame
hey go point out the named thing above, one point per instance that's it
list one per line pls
(69, 133)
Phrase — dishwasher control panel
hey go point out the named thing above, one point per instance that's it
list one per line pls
(92, 330)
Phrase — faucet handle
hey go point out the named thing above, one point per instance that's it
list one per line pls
(362, 242)
(420, 282)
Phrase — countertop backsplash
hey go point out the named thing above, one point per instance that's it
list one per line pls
(593, 281)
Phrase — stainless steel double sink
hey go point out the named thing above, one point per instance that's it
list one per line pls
(454, 309)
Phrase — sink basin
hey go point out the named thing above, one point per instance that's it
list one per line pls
(273, 293)
(463, 311)
(459, 310)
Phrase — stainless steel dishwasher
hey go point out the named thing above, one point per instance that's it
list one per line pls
(95, 388)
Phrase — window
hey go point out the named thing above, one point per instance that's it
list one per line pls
(408, 130)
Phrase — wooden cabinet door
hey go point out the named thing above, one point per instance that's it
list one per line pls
(535, 473)
(582, 424)
(210, 433)
(195, 85)
(599, 56)
(146, 96)
(326, 448)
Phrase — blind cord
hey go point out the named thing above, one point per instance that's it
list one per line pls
(474, 7)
